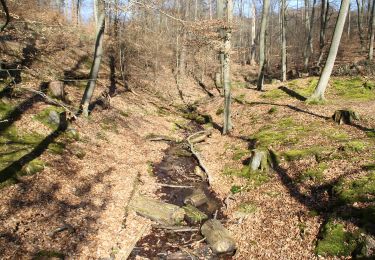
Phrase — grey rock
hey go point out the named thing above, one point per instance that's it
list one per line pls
(54, 117)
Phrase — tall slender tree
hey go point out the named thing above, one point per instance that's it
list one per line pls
(283, 40)
(253, 33)
(372, 31)
(226, 69)
(262, 44)
(318, 94)
(98, 53)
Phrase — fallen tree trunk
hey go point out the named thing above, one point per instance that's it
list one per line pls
(194, 215)
(161, 212)
(196, 199)
(190, 141)
(218, 237)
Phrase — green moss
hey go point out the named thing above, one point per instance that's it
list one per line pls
(44, 117)
(298, 154)
(362, 190)
(336, 241)
(314, 174)
(352, 89)
(109, 124)
(274, 94)
(236, 189)
(124, 113)
(5, 109)
(267, 137)
(56, 148)
(33, 167)
(194, 215)
(48, 254)
(336, 134)
(302, 88)
(256, 178)
(240, 99)
(272, 110)
(239, 84)
(239, 154)
(248, 208)
(219, 111)
(355, 146)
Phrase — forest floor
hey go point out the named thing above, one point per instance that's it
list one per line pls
(67, 194)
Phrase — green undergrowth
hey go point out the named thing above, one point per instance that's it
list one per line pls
(255, 178)
(190, 112)
(247, 208)
(315, 174)
(352, 89)
(359, 190)
(297, 154)
(44, 116)
(336, 241)
(356, 88)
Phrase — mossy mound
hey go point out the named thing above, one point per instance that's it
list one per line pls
(360, 190)
(353, 89)
(336, 241)
(255, 178)
(45, 116)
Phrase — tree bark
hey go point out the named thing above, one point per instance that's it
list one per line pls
(318, 94)
(262, 44)
(253, 34)
(226, 70)
(7, 15)
(97, 59)
(323, 26)
(372, 31)
(309, 45)
(283, 40)
(359, 23)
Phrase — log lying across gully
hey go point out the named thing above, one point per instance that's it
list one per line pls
(161, 212)
(197, 138)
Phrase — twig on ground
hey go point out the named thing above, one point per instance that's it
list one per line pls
(175, 186)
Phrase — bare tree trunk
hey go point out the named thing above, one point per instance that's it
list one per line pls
(283, 40)
(372, 31)
(262, 44)
(309, 45)
(220, 15)
(7, 16)
(318, 94)
(323, 26)
(349, 20)
(226, 68)
(253, 34)
(359, 23)
(210, 8)
(100, 9)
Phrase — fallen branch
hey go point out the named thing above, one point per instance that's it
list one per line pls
(176, 228)
(175, 186)
(197, 155)
(134, 241)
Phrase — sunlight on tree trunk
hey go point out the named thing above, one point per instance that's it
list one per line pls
(372, 28)
(283, 40)
(318, 94)
(262, 44)
(97, 59)
(309, 45)
(226, 69)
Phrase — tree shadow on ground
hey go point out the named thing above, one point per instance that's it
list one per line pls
(292, 93)
(11, 170)
(322, 199)
(14, 70)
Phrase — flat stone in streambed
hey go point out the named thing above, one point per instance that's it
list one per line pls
(161, 212)
(218, 237)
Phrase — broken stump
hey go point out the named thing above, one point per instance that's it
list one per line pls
(345, 117)
(218, 237)
(161, 212)
(56, 89)
(260, 160)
